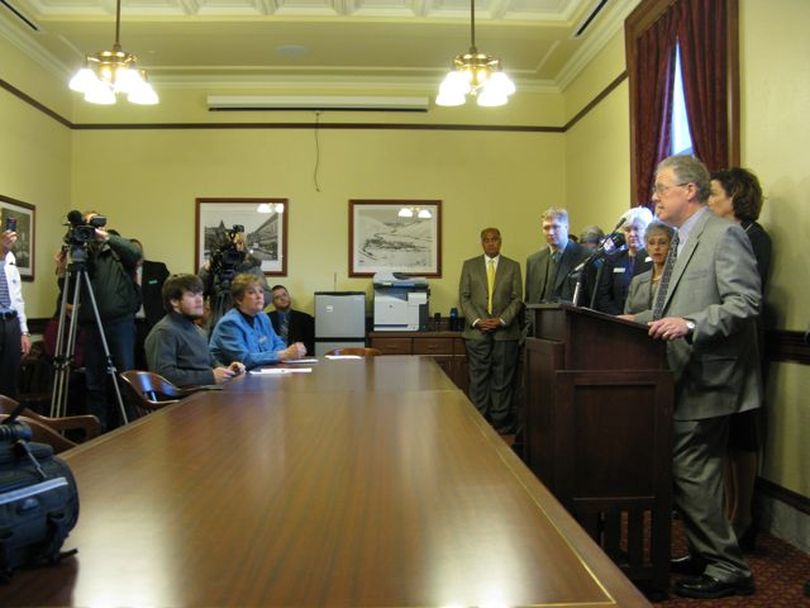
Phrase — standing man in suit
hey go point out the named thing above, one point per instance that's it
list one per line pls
(150, 277)
(547, 270)
(706, 307)
(291, 325)
(490, 298)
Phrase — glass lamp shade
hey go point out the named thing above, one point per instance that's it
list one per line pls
(82, 80)
(144, 95)
(501, 83)
(99, 93)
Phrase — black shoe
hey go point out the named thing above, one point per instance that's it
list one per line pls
(708, 587)
(692, 566)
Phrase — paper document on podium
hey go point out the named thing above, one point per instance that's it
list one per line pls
(301, 361)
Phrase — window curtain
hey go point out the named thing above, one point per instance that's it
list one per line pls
(654, 74)
(702, 32)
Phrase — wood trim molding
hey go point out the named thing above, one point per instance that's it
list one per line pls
(35, 104)
(784, 345)
(777, 492)
(596, 100)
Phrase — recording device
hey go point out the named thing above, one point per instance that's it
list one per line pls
(227, 257)
(11, 224)
(81, 232)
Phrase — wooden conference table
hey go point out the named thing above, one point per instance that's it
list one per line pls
(363, 483)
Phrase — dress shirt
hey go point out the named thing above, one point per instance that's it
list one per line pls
(15, 290)
(686, 228)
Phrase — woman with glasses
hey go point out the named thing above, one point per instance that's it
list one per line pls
(641, 293)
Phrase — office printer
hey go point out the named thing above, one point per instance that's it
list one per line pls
(400, 302)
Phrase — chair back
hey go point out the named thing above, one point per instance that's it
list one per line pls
(89, 426)
(43, 434)
(150, 391)
(355, 351)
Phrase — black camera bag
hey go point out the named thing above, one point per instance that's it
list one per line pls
(39, 505)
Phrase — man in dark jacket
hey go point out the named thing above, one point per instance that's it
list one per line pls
(291, 325)
(111, 265)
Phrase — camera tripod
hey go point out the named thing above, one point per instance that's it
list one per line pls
(66, 336)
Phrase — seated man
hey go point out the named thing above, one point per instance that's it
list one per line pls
(176, 348)
(245, 333)
(291, 325)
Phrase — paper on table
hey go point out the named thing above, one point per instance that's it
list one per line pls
(343, 357)
(280, 371)
(299, 361)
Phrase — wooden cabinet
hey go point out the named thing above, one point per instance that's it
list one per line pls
(445, 347)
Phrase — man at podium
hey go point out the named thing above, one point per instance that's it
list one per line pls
(706, 305)
(490, 293)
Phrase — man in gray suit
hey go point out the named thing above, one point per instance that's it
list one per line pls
(547, 270)
(706, 308)
(490, 298)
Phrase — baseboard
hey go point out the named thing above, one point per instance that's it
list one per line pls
(784, 513)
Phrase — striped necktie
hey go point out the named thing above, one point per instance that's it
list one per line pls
(490, 283)
(663, 285)
(5, 295)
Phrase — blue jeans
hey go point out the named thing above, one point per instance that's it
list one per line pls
(101, 399)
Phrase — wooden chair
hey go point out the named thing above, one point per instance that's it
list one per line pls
(88, 425)
(42, 434)
(357, 351)
(151, 391)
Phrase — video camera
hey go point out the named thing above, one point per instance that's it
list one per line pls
(226, 257)
(81, 232)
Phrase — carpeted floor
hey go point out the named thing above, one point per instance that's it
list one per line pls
(780, 572)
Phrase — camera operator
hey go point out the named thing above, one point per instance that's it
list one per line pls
(230, 258)
(111, 262)
(15, 340)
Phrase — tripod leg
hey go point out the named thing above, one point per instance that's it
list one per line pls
(111, 369)
(65, 347)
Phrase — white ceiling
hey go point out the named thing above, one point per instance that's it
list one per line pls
(386, 42)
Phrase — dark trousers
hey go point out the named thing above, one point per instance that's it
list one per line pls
(492, 370)
(699, 453)
(10, 356)
(101, 399)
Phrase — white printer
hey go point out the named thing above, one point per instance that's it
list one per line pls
(400, 302)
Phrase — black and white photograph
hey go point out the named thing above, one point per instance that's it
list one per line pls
(243, 226)
(20, 216)
(396, 236)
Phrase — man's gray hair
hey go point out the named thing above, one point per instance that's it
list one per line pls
(555, 213)
(689, 170)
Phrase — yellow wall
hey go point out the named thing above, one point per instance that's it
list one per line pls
(151, 178)
(35, 162)
(774, 48)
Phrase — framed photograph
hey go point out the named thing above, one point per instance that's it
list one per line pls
(23, 214)
(265, 226)
(395, 235)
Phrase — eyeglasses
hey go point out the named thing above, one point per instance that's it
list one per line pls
(659, 189)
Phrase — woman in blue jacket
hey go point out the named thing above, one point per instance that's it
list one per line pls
(245, 333)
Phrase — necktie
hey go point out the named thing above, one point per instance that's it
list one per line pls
(5, 296)
(663, 285)
(490, 283)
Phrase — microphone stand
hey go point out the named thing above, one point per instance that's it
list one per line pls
(612, 243)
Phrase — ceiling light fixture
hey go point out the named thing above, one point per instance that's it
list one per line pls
(106, 73)
(408, 212)
(476, 74)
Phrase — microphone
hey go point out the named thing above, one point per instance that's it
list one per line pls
(612, 243)
(626, 217)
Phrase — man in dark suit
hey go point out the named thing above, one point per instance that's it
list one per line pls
(291, 325)
(547, 270)
(490, 299)
(705, 307)
(150, 277)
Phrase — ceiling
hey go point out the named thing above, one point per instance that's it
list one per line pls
(385, 42)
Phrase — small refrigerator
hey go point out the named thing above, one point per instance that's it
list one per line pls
(340, 320)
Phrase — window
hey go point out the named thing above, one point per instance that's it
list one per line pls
(681, 138)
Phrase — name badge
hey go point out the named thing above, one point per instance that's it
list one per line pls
(648, 259)
(618, 270)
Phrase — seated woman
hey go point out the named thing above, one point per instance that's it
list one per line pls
(245, 334)
(641, 293)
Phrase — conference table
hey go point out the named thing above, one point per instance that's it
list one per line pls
(369, 482)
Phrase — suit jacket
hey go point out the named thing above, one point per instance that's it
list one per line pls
(537, 270)
(614, 280)
(714, 284)
(153, 275)
(640, 293)
(506, 299)
(301, 328)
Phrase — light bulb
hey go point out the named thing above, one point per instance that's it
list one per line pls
(82, 80)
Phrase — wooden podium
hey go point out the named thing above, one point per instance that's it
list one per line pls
(598, 431)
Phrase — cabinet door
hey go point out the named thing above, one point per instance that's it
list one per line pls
(392, 346)
(433, 346)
